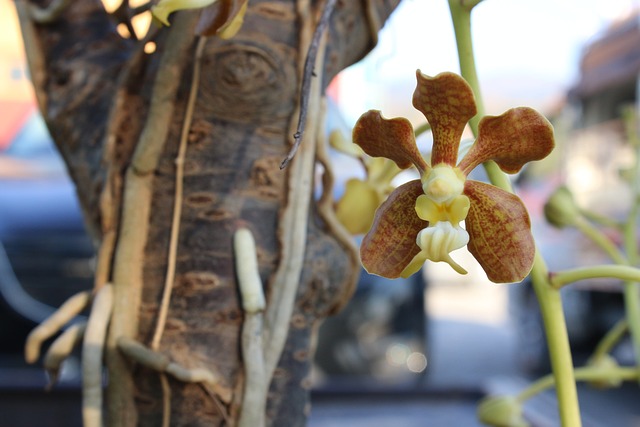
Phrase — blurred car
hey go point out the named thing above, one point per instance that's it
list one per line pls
(45, 257)
(45, 253)
(379, 339)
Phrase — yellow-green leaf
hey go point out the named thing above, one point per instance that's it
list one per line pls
(164, 8)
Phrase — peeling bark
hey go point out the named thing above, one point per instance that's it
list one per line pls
(96, 91)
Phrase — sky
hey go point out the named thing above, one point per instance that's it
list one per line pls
(527, 51)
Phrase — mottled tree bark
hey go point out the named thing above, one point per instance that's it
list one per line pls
(105, 100)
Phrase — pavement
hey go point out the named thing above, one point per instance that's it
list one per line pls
(471, 351)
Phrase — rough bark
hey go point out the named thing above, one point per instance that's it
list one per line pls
(97, 93)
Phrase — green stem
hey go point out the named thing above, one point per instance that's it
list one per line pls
(558, 342)
(581, 374)
(631, 291)
(601, 219)
(600, 239)
(612, 337)
(422, 129)
(622, 272)
(548, 297)
(461, 16)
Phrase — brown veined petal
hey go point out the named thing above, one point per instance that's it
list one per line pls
(390, 138)
(512, 139)
(390, 244)
(499, 232)
(447, 102)
(223, 18)
(356, 208)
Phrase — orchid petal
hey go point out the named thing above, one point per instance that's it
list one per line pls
(390, 244)
(356, 208)
(390, 138)
(414, 265)
(512, 139)
(500, 232)
(447, 102)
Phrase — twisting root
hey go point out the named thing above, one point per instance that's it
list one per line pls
(45, 330)
(177, 205)
(327, 212)
(61, 349)
(253, 302)
(175, 225)
(292, 227)
(161, 363)
(92, 350)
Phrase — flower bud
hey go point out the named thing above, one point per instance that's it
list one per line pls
(501, 411)
(604, 362)
(561, 209)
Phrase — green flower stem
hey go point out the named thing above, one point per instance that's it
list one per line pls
(461, 16)
(631, 296)
(548, 297)
(558, 342)
(612, 337)
(599, 238)
(631, 291)
(422, 129)
(601, 219)
(581, 374)
(622, 272)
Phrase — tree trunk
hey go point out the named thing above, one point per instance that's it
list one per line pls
(119, 115)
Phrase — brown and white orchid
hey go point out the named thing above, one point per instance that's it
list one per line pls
(420, 220)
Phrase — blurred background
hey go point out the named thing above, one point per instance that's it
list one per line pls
(416, 352)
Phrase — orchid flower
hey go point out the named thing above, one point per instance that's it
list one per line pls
(420, 220)
(356, 208)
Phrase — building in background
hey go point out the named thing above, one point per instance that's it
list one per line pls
(16, 92)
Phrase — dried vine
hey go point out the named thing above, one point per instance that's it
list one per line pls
(308, 73)
(293, 224)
